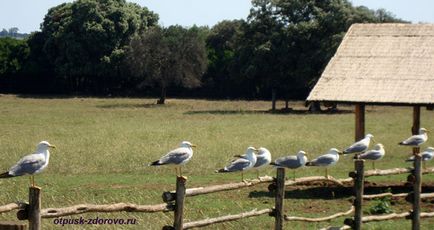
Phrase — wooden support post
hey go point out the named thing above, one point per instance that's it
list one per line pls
(34, 214)
(417, 173)
(359, 165)
(12, 225)
(280, 196)
(179, 203)
(360, 121)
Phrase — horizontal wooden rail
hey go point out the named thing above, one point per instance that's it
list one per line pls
(345, 227)
(395, 171)
(209, 221)
(9, 207)
(391, 216)
(327, 218)
(83, 208)
(170, 196)
(397, 195)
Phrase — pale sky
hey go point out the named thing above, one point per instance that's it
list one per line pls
(27, 15)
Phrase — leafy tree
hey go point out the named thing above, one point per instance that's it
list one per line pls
(172, 56)
(85, 41)
(222, 45)
(13, 54)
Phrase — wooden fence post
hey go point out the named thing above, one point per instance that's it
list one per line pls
(417, 189)
(12, 225)
(417, 173)
(34, 214)
(179, 202)
(280, 196)
(359, 190)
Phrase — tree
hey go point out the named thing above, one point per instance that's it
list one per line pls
(85, 41)
(172, 56)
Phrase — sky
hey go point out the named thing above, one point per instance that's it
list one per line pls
(27, 15)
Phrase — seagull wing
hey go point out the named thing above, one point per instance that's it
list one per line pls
(176, 156)
(324, 160)
(414, 140)
(356, 147)
(371, 155)
(27, 165)
(289, 162)
(238, 165)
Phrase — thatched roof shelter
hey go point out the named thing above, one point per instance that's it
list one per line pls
(389, 64)
(381, 64)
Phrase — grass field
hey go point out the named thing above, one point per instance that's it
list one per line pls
(103, 146)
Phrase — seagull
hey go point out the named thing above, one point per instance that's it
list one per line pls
(292, 162)
(263, 158)
(416, 140)
(375, 154)
(326, 160)
(360, 146)
(427, 155)
(31, 164)
(241, 164)
(178, 157)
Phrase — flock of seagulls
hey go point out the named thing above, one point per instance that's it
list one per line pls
(252, 159)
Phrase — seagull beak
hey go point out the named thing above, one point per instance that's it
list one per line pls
(193, 145)
(52, 146)
(340, 152)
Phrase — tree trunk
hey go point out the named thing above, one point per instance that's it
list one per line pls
(162, 96)
(273, 99)
(286, 104)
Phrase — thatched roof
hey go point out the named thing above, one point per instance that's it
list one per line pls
(381, 64)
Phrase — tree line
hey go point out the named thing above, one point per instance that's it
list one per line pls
(117, 48)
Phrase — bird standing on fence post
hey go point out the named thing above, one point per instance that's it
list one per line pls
(326, 160)
(360, 146)
(292, 162)
(241, 164)
(263, 158)
(177, 157)
(375, 154)
(31, 164)
(416, 140)
(427, 155)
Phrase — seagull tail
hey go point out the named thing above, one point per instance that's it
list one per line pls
(5, 175)
(155, 163)
(273, 163)
(401, 143)
(309, 163)
(223, 170)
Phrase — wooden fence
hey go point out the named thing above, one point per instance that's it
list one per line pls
(174, 201)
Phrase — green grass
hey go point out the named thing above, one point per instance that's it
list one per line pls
(103, 146)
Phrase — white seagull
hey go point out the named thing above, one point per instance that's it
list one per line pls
(263, 158)
(177, 157)
(375, 154)
(241, 164)
(292, 162)
(360, 146)
(31, 164)
(326, 160)
(416, 140)
(427, 155)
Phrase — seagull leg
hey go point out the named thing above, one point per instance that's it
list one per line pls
(373, 165)
(30, 180)
(176, 171)
(293, 174)
(242, 176)
(180, 171)
(326, 173)
(33, 181)
(257, 173)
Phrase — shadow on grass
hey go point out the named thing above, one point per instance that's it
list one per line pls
(337, 192)
(130, 105)
(278, 112)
